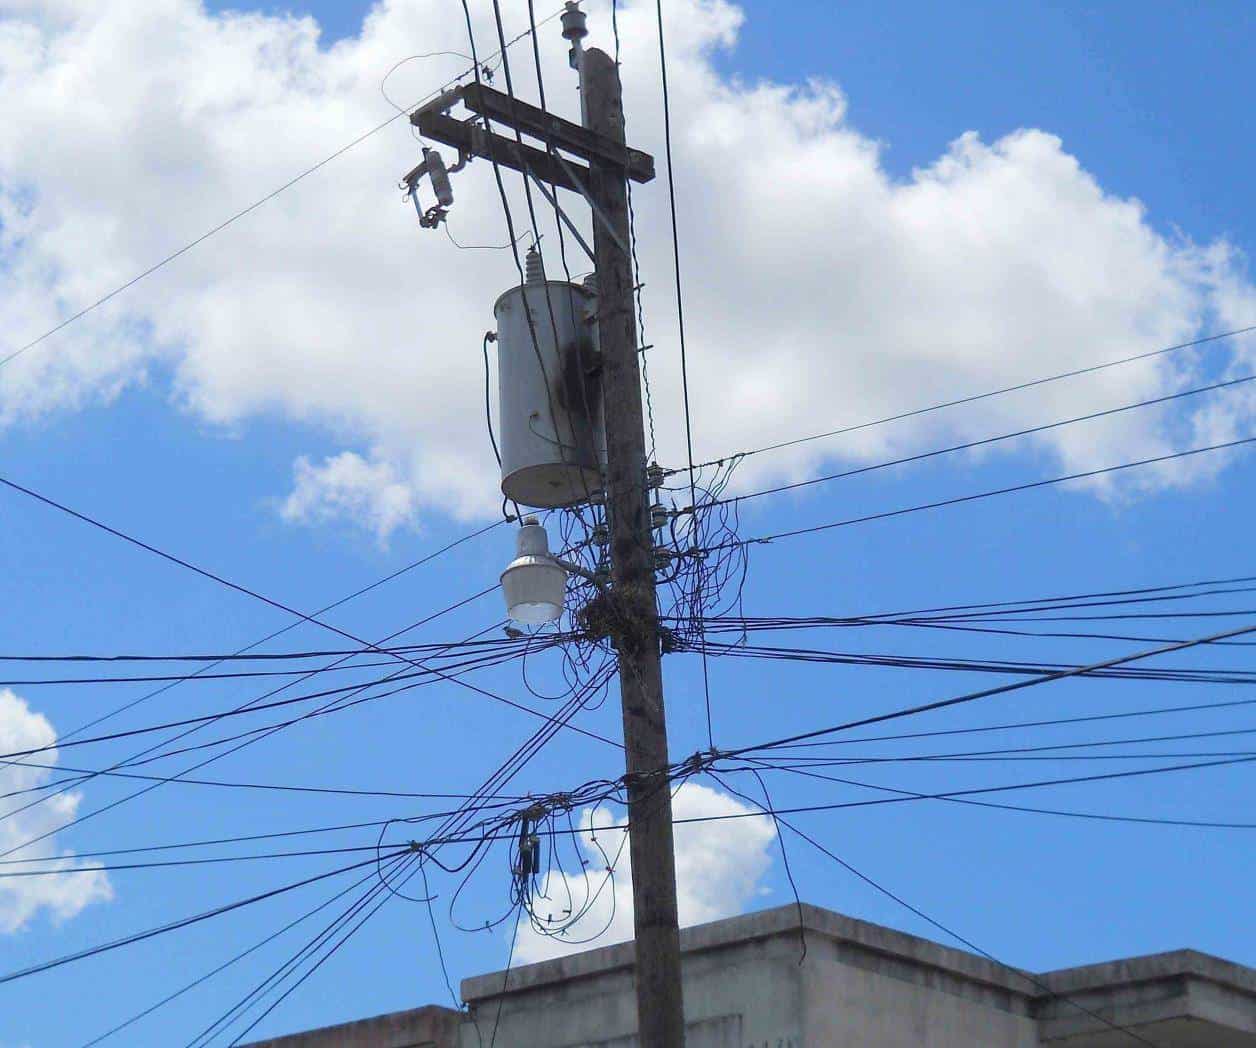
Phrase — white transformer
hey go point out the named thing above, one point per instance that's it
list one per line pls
(549, 392)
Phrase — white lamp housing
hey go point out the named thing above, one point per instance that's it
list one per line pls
(534, 583)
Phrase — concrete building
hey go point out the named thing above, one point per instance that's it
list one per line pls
(747, 986)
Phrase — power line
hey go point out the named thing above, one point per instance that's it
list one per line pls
(214, 718)
(1000, 690)
(329, 791)
(680, 328)
(134, 758)
(1034, 980)
(376, 892)
(184, 922)
(419, 664)
(1140, 593)
(1013, 756)
(1028, 809)
(264, 733)
(236, 958)
(983, 396)
(199, 240)
(985, 441)
(960, 499)
(374, 824)
(181, 562)
(983, 790)
(1018, 725)
(291, 626)
(270, 656)
(213, 860)
(9, 758)
(937, 616)
(503, 648)
(251, 207)
(837, 658)
(510, 834)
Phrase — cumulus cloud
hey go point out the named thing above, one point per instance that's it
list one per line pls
(820, 289)
(350, 488)
(61, 896)
(720, 867)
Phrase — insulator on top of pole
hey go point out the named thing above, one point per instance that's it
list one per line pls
(575, 29)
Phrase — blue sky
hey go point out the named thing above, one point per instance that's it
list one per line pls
(1151, 100)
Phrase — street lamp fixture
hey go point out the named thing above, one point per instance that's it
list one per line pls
(535, 582)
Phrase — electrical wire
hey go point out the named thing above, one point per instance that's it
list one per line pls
(232, 219)
(986, 441)
(420, 664)
(426, 673)
(1033, 980)
(680, 322)
(195, 767)
(291, 626)
(488, 403)
(637, 284)
(1018, 725)
(1002, 689)
(234, 959)
(984, 396)
(961, 499)
(1027, 809)
(834, 658)
(135, 758)
(213, 860)
(326, 791)
(176, 925)
(277, 977)
(510, 226)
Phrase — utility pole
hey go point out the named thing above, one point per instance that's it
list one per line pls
(660, 1008)
(600, 143)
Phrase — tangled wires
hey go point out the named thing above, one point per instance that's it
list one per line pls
(560, 851)
(540, 841)
(706, 569)
(560, 854)
(700, 569)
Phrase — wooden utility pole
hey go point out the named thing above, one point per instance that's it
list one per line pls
(633, 606)
(660, 1008)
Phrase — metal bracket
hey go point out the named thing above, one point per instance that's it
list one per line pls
(582, 572)
(597, 211)
(571, 226)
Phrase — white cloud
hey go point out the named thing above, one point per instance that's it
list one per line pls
(719, 868)
(348, 487)
(820, 290)
(62, 896)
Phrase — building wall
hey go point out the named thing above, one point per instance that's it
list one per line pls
(429, 1027)
(749, 984)
(846, 1005)
(748, 994)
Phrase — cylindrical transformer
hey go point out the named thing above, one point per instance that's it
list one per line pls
(550, 394)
